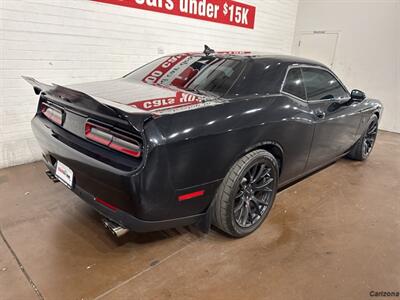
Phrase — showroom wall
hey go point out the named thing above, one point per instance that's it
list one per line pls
(79, 40)
(367, 54)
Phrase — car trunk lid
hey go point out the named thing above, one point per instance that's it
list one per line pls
(71, 98)
(134, 101)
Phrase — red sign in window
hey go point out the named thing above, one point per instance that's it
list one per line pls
(178, 100)
(219, 11)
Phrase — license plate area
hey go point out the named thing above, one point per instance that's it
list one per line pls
(64, 174)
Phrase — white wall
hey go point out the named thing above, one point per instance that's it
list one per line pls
(70, 41)
(368, 50)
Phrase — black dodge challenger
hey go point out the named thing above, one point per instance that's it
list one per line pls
(204, 138)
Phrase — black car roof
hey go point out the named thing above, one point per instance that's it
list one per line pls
(286, 59)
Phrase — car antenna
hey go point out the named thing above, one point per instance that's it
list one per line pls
(207, 50)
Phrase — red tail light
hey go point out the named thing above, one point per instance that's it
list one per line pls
(112, 139)
(53, 114)
(98, 134)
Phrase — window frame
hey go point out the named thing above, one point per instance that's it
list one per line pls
(304, 66)
(284, 81)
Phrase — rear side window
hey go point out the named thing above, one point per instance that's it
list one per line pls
(321, 84)
(294, 84)
(260, 77)
(216, 78)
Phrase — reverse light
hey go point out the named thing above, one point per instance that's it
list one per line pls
(112, 139)
(53, 114)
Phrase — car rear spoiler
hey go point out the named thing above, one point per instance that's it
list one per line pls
(136, 117)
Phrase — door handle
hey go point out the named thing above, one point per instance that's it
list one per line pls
(319, 113)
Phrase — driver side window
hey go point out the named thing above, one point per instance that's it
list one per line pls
(321, 85)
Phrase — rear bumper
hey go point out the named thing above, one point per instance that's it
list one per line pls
(134, 207)
(114, 183)
(127, 220)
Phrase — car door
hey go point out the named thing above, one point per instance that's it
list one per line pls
(335, 117)
(296, 128)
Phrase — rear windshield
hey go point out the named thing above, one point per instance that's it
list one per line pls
(203, 74)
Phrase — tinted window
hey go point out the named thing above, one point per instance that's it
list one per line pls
(260, 77)
(321, 84)
(216, 78)
(207, 74)
(294, 83)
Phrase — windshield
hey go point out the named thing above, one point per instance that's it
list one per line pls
(201, 74)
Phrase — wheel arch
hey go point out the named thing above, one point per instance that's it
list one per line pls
(272, 147)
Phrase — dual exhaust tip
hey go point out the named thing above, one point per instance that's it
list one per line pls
(114, 228)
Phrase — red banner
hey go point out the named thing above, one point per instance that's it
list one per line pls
(219, 11)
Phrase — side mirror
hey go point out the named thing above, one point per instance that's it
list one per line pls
(357, 95)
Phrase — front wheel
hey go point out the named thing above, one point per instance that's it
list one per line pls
(246, 194)
(362, 149)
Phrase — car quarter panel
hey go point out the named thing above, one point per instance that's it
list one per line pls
(202, 145)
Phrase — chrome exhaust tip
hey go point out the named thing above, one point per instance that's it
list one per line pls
(115, 229)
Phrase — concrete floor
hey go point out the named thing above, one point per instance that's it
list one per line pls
(334, 235)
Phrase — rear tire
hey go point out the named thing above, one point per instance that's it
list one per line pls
(362, 149)
(246, 194)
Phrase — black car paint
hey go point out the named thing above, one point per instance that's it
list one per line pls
(192, 148)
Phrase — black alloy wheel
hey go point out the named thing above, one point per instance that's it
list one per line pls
(369, 138)
(363, 147)
(246, 194)
(254, 195)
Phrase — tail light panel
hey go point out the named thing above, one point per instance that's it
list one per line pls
(112, 139)
(54, 114)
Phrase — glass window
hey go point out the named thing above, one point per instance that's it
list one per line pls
(260, 77)
(294, 83)
(217, 78)
(202, 74)
(321, 84)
